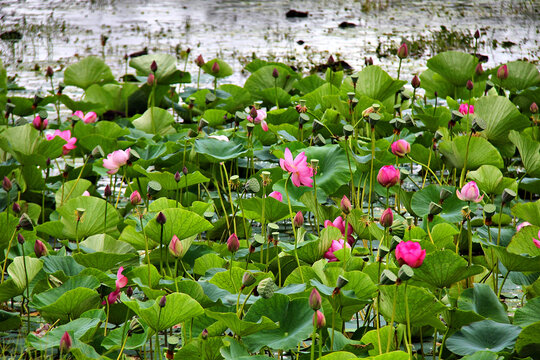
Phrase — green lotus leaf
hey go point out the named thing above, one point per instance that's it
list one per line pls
(528, 314)
(242, 327)
(9, 320)
(167, 181)
(180, 222)
(224, 68)
(529, 150)
(217, 150)
(482, 355)
(521, 75)
(115, 338)
(483, 335)
(70, 190)
(157, 123)
(67, 305)
(515, 262)
(274, 210)
(53, 264)
(529, 212)
(77, 329)
(18, 273)
(376, 84)
(262, 79)
(481, 152)
(482, 300)
(527, 342)
(451, 206)
(454, 66)
(102, 133)
(236, 351)
(166, 68)
(88, 71)
(444, 268)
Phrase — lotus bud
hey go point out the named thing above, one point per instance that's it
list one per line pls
(315, 299)
(298, 219)
(405, 272)
(266, 288)
(387, 218)
(533, 108)
(65, 343)
(185, 170)
(135, 198)
(39, 248)
(502, 72)
(150, 79)
(129, 291)
(232, 243)
(345, 205)
(477, 34)
(331, 60)
(248, 279)
(153, 66)
(163, 301)
(49, 72)
(39, 123)
(508, 195)
(161, 219)
(275, 73)
(444, 194)
(253, 185)
(469, 85)
(387, 277)
(177, 177)
(403, 51)
(6, 184)
(368, 61)
(20, 238)
(204, 334)
(319, 320)
(478, 125)
(16, 208)
(415, 82)
(479, 70)
(25, 223)
(199, 61)
(215, 68)
(341, 282)
(107, 191)
(176, 248)
(434, 208)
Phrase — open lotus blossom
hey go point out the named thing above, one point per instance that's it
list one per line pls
(537, 241)
(66, 135)
(90, 117)
(410, 253)
(276, 195)
(466, 109)
(400, 148)
(340, 224)
(522, 225)
(298, 167)
(336, 245)
(388, 176)
(469, 192)
(259, 119)
(121, 281)
(116, 160)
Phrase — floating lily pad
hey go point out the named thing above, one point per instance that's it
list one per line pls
(483, 335)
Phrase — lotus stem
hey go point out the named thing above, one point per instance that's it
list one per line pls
(427, 168)
(496, 271)
(185, 271)
(158, 347)
(7, 254)
(124, 336)
(462, 177)
(175, 275)
(276, 92)
(409, 323)
(391, 324)
(161, 251)
(370, 205)
(294, 229)
(107, 318)
(313, 336)
(317, 222)
(27, 290)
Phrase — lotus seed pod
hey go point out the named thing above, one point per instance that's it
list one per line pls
(387, 277)
(508, 195)
(253, 185)
(445, 194)
(434, 208)
(341, 282)
(405, 272)
(489, 210)
(248, 279)
(153, 188)
(266, 288)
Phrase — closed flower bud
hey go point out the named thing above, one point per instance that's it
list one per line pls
(533, 108)
(150, 79)
(199, 61)
(345, 205)
(40, 249)
(161, 219)
(298, 219)
(49, 72)
(502, 72)
(479, 70)
(204, 334)
(129, 291)
(477, 34)
(215, 68)
(275, 73)
(39, 123)
(415, 82)
(387, 218)
(315, 299)
(135, 198)
(368, 61)
(153, 66)
(65, 343)
(469, 85)
(20, 238)
(232, 243)
(16, 208)
(185, 170)
(177, 176)
(163, 301)
(176, 248)
(400, 148)
(403, 51)
(319, 320)
(6, 184)
(107, 191)
(331, 60)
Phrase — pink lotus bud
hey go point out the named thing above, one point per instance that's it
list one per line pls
(40, 249)
(469, 192)
(65, 343)
(336, 245)
(276, 195)
(315, 299)
(176, 248)
(253, 113)
(410, 253)
(466, 109)
(400, 148)
(275, 73)
(163, 301)
(522, 225)
(40, 124)
(479, 70)
(20, 238)
(199, 61)
(16, 208)
(185, 170)
(388, 176)
(129, 291)
(469, 85)
(161, 219)
(345, 205)
(387, 218)
(502, 72)
(403, 51)
(204, 334)
(331, 60)
(477, 34)
(135, 198)
(177, 176)
(107, 191)
(533, 108)
(85, 193)
(153, 66)
(90, 117)
(415, 82)
(215, 68)
(232, 243)
(150, 80)
(49, 72)
(298, 219)
(319, 320)
(537, 241)
(6, 184)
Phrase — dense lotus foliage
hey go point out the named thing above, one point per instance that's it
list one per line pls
(333, 216)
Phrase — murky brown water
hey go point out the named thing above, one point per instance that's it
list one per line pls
(55, 32)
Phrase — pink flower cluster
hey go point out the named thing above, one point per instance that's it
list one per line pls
(340, 224)
(466, 109)
(259, 119)
(66, 135)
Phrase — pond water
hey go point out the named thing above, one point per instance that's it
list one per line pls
(57, 32)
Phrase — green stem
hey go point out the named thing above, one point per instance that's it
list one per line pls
(27, 290)
(391, 324)
(313, 336)
(462, 177)
(370, 206)
(7, 254)
(294, 229)
(426, 167)
(496, 271)
(275, 88)
(409, 322)
(175, 275)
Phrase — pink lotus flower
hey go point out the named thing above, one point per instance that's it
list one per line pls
(388, 176)
(86, 193)
(40, 124)
(340, 224)
(176, 248)
(116, 160)
(298, 167)
(259, 119)
(121, 281)
(276, 195)
(537, 241)
(90, 117)
(387, 218)
(466, 109)
(522, 225)
(65, 343)
(400, 148)
(336, 245)
(469, 192)
(410, 253)
(66, 135)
